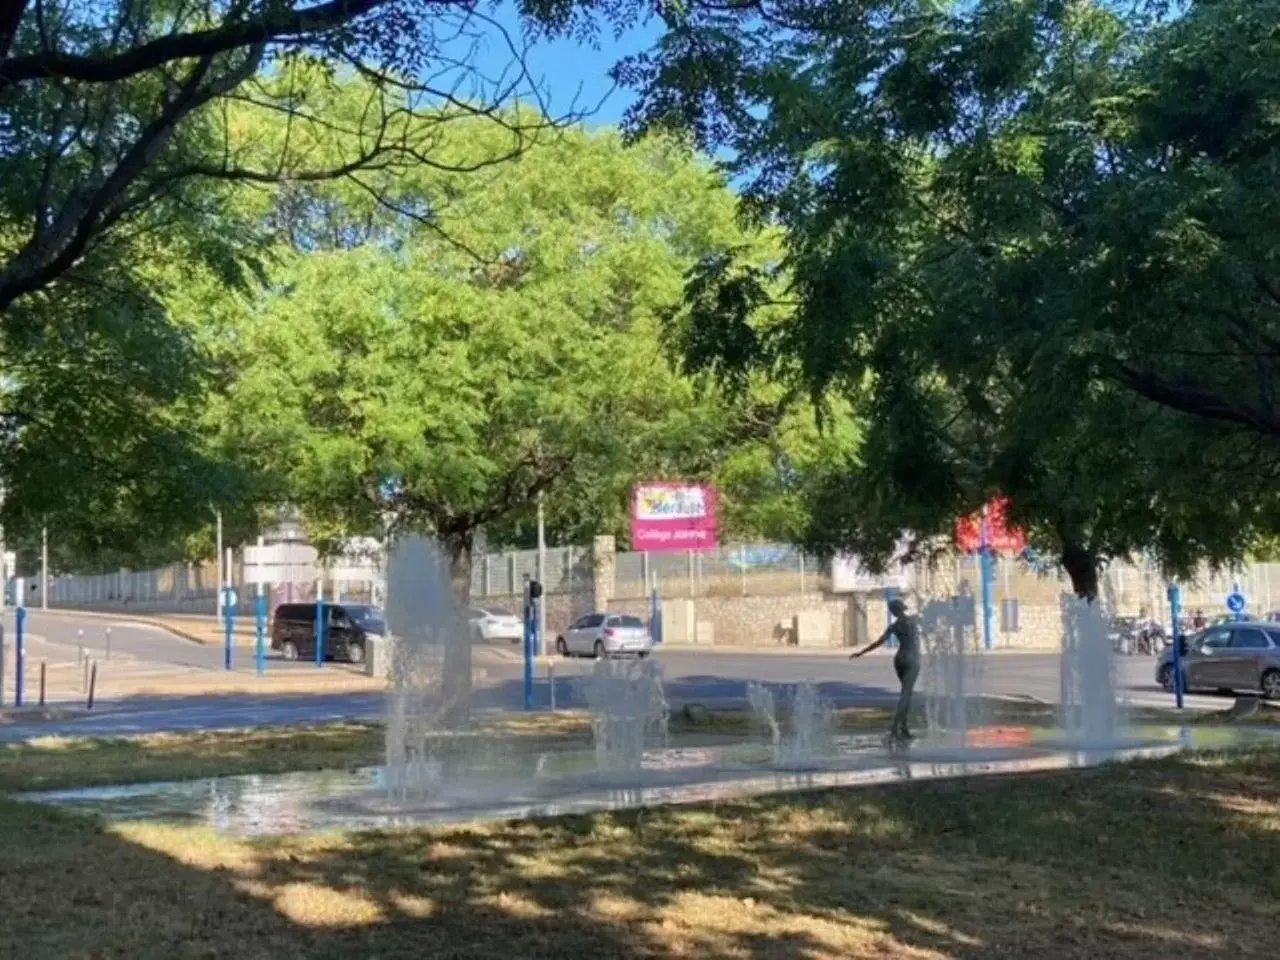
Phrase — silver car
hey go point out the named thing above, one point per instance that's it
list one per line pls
(1228, 657)
(599, 634)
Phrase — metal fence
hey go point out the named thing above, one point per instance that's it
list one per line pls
(178, 587)
(760, 569)
(567, 570)
(729, 570)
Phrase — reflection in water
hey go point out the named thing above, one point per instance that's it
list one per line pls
(509, 784)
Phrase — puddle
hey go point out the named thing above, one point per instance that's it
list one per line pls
(508, 785)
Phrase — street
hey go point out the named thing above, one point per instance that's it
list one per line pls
(690, 676)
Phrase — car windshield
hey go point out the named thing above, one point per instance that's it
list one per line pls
(367, 616)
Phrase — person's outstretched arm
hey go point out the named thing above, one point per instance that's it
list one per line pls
(871, 646)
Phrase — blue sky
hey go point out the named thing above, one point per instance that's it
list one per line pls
(566, 69)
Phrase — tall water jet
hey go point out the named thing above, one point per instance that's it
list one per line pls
(812, 721)
(629, 710)
(764, 708)
(1089, 711)
(808, 730)
(953, 667)
(430, 685)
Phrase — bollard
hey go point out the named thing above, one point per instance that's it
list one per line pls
(79, 646)
(43, 665)
(551, 678)
(261, 617)
(84, 679)
(320, 632)
(93, 683)
(108, 651)
(19, 617)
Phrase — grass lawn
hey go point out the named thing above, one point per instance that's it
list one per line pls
(1169, 859)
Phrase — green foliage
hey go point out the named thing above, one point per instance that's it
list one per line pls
(506, 348)
(1037, 239)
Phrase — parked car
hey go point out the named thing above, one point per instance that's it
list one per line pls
(491, 625)
(293, 630)
(599, 634)
(1242, 655)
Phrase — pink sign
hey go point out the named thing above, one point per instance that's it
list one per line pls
(673, 517)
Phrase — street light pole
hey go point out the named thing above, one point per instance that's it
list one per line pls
(218, 555)
(542, 573)
(44, 568)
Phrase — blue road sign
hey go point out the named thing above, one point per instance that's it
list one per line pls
(1236, 602)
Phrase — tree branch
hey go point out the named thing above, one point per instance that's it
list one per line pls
(90, 212)
(271, 26)
(1197, 401)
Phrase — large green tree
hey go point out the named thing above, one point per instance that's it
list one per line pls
(1034, 239)
(443, 376)
(128, 133)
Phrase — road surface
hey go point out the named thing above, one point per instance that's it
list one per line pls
(690, 675)
(133, 639)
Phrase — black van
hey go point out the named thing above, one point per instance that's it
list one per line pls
(293, 630)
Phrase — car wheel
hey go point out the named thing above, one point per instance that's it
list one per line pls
(599, 649)
(355, 653)
(1165, 678)
(1271, 684)
(289, 651)
(562, 648)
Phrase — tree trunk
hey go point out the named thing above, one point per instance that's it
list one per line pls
(1082, 567)
(456, 681)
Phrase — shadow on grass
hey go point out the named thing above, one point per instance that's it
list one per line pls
(1151, 860)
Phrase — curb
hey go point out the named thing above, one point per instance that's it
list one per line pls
(833, 652)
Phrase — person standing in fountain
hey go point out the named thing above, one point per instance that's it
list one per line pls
(906, 663)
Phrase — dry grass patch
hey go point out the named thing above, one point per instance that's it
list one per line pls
(1154, 860)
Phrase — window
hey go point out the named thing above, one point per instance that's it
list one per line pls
(1216, 639)
(631, 622)
(1249, 638)
(595, 620)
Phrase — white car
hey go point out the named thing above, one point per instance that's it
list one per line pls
(495, 626)
(598, 634)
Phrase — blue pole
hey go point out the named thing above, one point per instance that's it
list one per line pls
(889, 618)
(19, 652)
(262, 632)
(229, 619)
(985, 565)
(1235, 588)
(320, 632)
(1175, 611)
(530, 629)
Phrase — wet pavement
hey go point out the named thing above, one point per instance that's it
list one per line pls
(485, 784)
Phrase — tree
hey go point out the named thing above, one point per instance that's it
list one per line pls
(1012, 240)
(126, 131)
(113, 116)
(445, 379)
